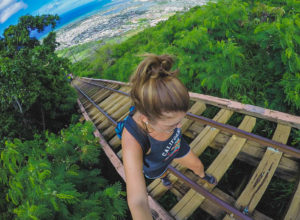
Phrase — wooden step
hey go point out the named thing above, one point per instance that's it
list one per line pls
(180, 189)
(263, 174)
(110, 100)
(267, 160)
(197, 109)
(294, 209)
(251, 153)
(191, 201)
(111, 111)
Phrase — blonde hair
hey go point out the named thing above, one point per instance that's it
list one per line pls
(156, 89)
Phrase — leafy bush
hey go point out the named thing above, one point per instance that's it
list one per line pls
(58, 178)
(34, 92)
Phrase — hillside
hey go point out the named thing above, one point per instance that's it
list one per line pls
(233, 49)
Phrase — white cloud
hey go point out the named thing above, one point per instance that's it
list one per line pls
(61, 6)
(5, 3)
(9, 8)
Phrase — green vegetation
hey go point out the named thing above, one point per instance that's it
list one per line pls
(242, 50)
(79, 52)
(34, 92)
(57, 178)
(44, 175)
(278, 194)
(142, 20)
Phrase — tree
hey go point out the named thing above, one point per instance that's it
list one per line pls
(34, 93)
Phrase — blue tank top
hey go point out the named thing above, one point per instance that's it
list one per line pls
(162, 152)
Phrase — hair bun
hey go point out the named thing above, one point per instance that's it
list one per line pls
(154, 67)
(160, 66)
(166, 63)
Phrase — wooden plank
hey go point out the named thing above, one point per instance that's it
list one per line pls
(208, 206)
(85, 101)
(179, 189)
(255, 111)
(294, 209)
(264, 172)
(95, 96)
(120, 110)
(109, 107)
(157, 211)
(231, 150)
(287, 168)
(110, 100)
(114, 101)
(218, 213)
(87, 88)
(113, 97)
(115, 142)
(107, 81)
(252, 153)
(92, 92)
(259, 181)
(197, 108)
(202, 141)
(111, 111)
(109, 132)
(184, 208)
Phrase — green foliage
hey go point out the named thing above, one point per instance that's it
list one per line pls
(79, 52)
(58, 178)
(33, 88)
(295, 138)
(279, 194)
(242, 50)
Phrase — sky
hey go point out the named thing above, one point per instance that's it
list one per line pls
(11, 10)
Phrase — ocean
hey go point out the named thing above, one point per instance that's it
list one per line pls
(75, 15)
(81, 12)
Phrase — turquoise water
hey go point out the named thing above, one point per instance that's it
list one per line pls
(75, 15)
(81, 12)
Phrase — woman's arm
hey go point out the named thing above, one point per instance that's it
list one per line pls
(135, 183)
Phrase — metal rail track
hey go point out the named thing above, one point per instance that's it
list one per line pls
(277, 147)
(264, 141)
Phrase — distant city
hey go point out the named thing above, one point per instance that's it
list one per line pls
(117, 18)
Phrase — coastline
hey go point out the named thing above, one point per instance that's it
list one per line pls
(118, 18)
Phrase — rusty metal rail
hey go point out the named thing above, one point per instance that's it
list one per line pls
(105, 87)
(259, 139)
(100, 109)
(223, 205)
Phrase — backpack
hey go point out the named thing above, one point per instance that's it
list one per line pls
(144, 141)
